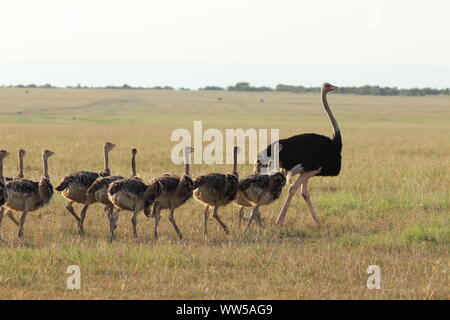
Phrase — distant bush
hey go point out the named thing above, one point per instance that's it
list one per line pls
(296, 89)
(245, 86)
(32, 85)
(162, 88)
(212, 88)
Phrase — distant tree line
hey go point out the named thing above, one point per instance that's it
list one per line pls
(125, 86)
(364, 90)
(32, 85)
(246, 87)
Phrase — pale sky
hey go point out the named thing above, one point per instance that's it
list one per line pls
(145, 42)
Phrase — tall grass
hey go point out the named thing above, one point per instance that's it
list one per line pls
(389, 206)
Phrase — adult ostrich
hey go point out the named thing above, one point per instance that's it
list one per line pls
(75, 185)
(309, 155)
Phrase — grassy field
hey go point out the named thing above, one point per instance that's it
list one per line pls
(388, 207)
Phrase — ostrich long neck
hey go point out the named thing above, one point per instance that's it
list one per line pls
(186, 161)
(2, 178)
(20, 165)
(106, 158)
(45, 172)
(330, 114)
(133, 165)
(235, 162)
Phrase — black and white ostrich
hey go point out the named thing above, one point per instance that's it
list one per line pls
(309, 155)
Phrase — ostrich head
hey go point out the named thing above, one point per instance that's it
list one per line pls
(326, 87)
(109, 146)
(134, 151)
(47, 154)
(22, 153)
(3, 154)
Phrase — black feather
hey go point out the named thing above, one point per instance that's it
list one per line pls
(312, 151)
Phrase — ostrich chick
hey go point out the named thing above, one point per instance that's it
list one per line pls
(132, 195)
(216, 190)
(26, 195)
(176, 191)
(98, 191)
(75, 185)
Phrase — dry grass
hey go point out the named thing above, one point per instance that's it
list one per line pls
(389, 206)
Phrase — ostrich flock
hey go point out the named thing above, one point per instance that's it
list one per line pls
(306, 154)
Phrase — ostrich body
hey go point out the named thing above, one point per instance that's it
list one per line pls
(75, 185)
(26, 195)
(19, 175)
(241, 200)
(176, 191)
(98, 191)
(309, 155)
(216, 190)
(132, 195)
(260, 190)
(3, 193)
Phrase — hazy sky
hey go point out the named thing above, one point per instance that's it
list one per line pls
(220, 42)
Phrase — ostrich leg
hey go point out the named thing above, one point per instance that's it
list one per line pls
(22, 223)
(109, 209)
(157, 216)
(306, 196)
(205, 225)
(12, 218)
(174, 223)
(241, 216)
(113, 216)
(134, 223)
(292, 190)
(259, 218)
(155, 208)
(216, 216)
(250, 220)
(70, 208)
(82, 217)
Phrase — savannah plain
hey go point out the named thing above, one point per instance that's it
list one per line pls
(388, 207)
